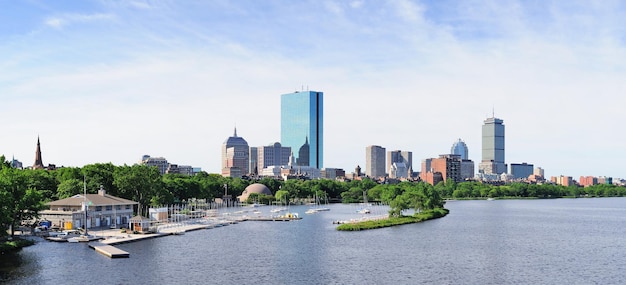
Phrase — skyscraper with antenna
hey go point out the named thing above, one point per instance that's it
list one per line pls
(492, 147)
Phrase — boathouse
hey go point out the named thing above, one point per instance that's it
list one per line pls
(102, 210)
(140, 224)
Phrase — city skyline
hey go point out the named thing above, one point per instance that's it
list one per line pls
(172, 79)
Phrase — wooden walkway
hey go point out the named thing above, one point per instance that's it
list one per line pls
(108, 250)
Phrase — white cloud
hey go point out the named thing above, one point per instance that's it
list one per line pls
(56, 23)
(61, 21)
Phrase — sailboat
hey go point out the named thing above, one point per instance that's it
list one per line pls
(84, 237)
(364, 209)
(317, 207)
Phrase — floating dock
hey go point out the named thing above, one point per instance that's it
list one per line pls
(109, 250)
(273, 219)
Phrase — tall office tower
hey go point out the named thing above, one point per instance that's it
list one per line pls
(235, 156)
(493, 147)
(375, 161)
(302, 126)
(399, 163)
(460, 148)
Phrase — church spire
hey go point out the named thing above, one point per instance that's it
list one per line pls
(235, 135)
(38, 163)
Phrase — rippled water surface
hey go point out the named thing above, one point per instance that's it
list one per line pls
(560, 241)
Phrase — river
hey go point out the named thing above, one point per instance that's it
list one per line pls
(555, 241)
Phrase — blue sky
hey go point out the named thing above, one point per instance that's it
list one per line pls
(104, 81)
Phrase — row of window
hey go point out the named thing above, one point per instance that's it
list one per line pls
(110, 207)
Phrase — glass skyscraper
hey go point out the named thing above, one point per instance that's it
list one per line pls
(460, 148)
(302, 126)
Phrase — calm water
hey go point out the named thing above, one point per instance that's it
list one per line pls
(561, 241)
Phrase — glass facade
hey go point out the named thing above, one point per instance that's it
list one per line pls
(460, 148)
(302, 122)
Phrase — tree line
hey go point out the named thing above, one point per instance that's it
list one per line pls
(24, 192)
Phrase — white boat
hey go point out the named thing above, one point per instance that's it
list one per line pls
(490, 199)
(311, 211)
(364, 211)
(82, 238)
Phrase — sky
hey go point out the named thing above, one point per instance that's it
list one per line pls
(110, 81)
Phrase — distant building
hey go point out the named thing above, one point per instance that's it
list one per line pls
(273, 155)
(254, 157)
(538, 171)
(38, 162)
(302, 126)
(562, 180)
(235, 156)
(332, 173)
(492, 147)
(165, 167)
(180, 169)
(158, 162)
(460, 148)
(399, 164)
(605, 180)
(447, 165)
(467, 169)
(16, 164)
(522, 170)
(375, 161)
(587, 181)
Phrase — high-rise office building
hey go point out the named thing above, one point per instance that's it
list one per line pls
(460, 148)
(302, 126)
(493, 147)
(375, 161)
(235, 156)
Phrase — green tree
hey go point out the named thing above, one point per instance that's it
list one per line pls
(17, 202)
(69, 188)
(138, 183)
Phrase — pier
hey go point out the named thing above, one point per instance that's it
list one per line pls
(109, 250)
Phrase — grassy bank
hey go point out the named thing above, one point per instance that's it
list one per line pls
(395, 221)
(14, 245)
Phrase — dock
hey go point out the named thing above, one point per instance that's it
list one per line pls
(108, 250)
(273, 219)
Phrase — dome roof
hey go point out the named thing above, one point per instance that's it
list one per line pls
(254, 188)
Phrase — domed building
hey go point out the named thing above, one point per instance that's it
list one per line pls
(235, 156)
(254, 188)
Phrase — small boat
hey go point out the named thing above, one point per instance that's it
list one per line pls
(364, 211)
(490, 199)
(82, 238)
(311, 211)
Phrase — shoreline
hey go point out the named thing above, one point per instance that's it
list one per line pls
(394, 221)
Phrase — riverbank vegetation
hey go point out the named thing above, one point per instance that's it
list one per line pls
(394, 221)
(24, 192)
(14, 244)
